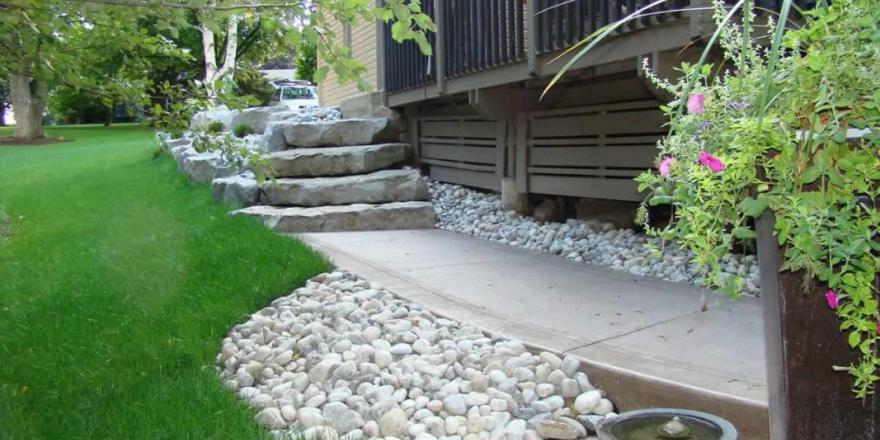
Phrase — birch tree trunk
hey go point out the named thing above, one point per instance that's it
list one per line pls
(28, 96)
(223, 74)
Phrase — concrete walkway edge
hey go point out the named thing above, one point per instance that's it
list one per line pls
(629, 386)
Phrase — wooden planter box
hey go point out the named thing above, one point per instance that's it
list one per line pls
(807, 399)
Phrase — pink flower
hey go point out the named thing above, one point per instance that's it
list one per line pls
(711, 161)
(665, 165)
(695, 104)
(831, 299)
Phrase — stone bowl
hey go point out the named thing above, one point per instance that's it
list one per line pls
(643, 425)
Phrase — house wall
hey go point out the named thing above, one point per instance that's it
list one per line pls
(363, 46)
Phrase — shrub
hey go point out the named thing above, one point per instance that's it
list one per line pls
(773, 136)
(242, 130)
(771, 133)
(215, 127)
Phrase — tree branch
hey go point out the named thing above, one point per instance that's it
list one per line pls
(231, 46)
(248, 41)
(173, 5)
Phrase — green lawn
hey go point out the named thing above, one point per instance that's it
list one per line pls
(118, 280)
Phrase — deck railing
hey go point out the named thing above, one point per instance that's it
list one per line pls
(482, 34)
(562, 23)
(405, 65)
(476, 35)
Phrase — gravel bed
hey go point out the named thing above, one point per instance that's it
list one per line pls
(342, 357)
(471, 212)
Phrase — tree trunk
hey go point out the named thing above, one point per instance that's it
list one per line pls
(213, 74)
(28, 97)
(108, 115)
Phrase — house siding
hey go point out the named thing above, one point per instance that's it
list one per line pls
(363, 47)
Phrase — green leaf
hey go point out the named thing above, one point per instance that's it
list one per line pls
(855, 337)
(424, 45)
(397, 31)
(660, 200)
(754, 207)
(321, 73)
(744, 233)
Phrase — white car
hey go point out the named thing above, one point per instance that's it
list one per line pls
(296, 95)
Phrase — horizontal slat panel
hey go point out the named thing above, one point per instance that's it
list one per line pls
(458, 153)
(641, 121)
(613, 156)
(458, 141)
(477, 129)
(464, 166)
(642, 104)
(600, 188)
(590, 172)
(476, 179)
(623, 141)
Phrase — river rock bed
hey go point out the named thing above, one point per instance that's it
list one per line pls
(481, 215)
(340, 357)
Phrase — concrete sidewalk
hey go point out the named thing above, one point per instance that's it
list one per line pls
(645, 341)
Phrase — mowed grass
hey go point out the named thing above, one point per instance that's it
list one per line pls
(118, 279)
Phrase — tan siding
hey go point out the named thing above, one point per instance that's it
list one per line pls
(363, 46)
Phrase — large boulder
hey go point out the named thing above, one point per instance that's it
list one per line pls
(344, 132)
(379, 187)
(202, 119)
(240, 190)
(257, 118)
(205, 167)
(337, 161)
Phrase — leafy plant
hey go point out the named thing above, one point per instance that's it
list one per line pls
(235, 152)
(215, 127)
(306, 61)
(770, 131)
(181, 103)
(242, 130)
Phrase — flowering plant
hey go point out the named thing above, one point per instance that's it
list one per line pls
(771, 130)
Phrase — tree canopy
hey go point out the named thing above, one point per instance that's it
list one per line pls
(114, 49)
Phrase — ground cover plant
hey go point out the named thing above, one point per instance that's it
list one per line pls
(119, 279)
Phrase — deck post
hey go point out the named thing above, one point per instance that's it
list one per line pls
(807, 399)
(440, 47)
(532, 29)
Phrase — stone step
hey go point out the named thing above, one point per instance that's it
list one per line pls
(378, 187)
(356, 217)
(339, 133)
(337, 161)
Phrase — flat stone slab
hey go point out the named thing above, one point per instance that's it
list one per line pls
(340, 133)
(379, 187)
(357, 217)
(337, 161)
